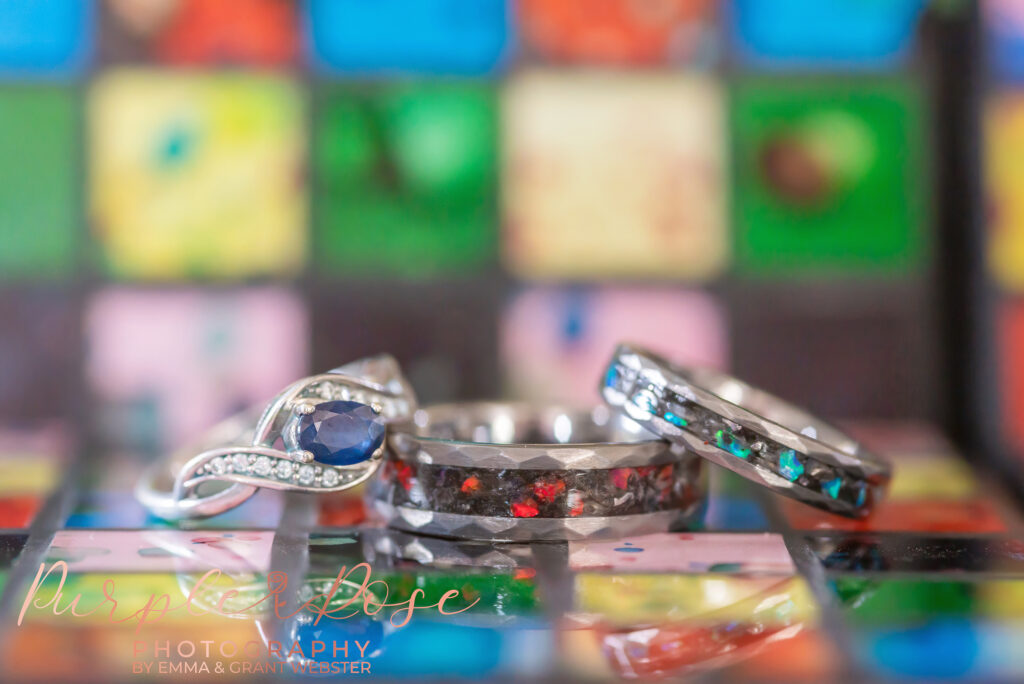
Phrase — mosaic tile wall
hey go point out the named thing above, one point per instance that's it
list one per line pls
(493, 191)
(202, 200)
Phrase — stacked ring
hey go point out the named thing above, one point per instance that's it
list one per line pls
(517, 472)
(757, 435)
(323, 433)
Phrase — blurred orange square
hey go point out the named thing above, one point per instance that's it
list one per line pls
(1011, 369)
(808, 656)
(197, 32)
(619, 31)
(341, 510)
(17, 512)
(976, 516)
(261, 32)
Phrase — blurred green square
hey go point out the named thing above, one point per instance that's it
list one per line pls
(405, 179)
(38, 181)
(829, 177)
(869, 601)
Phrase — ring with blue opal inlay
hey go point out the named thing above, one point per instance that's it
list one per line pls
(746, 430)
(323, 433)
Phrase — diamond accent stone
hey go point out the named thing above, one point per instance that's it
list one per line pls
(218, 466)
(284, 469)
(240, 462)
(330, 477)
(262, 466)
(307, 474)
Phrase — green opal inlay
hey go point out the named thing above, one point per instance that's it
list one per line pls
(678, 421)
(790, 466)
(728, 441)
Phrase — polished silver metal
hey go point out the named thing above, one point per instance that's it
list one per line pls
(514, 435)
(241, 455)
(503, 471)
(502, 529)
(749, 431)
(385, 548)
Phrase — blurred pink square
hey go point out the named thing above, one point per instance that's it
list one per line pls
(695, 553)
(556, 342)
(162, 550)
(191, 358)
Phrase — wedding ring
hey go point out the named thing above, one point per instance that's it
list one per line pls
(759, 436)
(518, 472)
(323, 433)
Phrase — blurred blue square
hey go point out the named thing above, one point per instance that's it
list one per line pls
(452, 650)
(1005, 22)
(456, 37)
(838, 34)
(936, 650)
(45, 37)
(734, 514)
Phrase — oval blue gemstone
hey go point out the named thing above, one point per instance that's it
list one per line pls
(341, 432)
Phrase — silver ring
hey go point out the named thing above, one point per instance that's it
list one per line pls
(517, 472)
(753, 433)
(320, 434)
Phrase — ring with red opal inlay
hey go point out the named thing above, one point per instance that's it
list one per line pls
(516, 472)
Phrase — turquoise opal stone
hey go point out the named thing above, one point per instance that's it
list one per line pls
(341, 432)
(832, 487)
(611, 378)
(862, 495)
(645, 401)
(728, 441)
(790, 466)
(678, 421)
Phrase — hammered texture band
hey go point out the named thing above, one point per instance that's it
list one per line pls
(746, 430)
(518, 472)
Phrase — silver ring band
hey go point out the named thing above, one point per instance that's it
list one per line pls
(244, 453)
(516, 472)
(753, 433)
(392, 548)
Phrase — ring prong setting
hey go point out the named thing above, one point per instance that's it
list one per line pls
(301, 455)
(303, 408)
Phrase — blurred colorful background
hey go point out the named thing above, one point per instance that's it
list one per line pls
(203, 200)
(200, 200)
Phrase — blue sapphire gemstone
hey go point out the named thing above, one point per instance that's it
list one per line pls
(341, 432)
